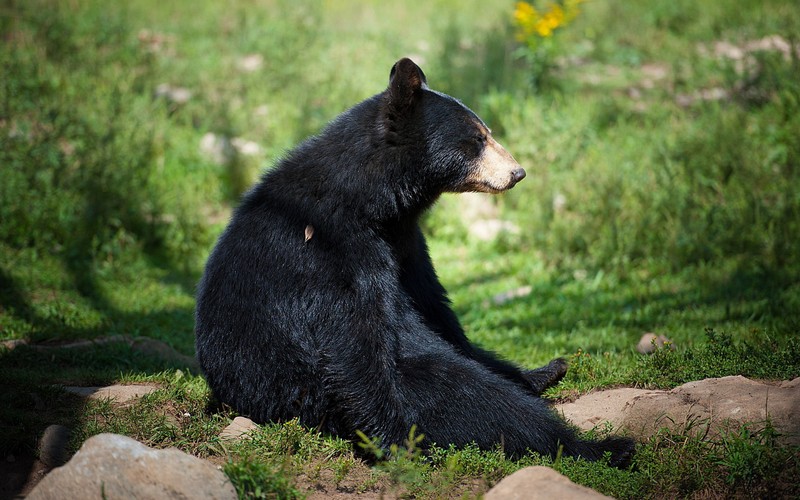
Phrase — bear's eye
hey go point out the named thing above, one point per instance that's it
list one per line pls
(474, 144)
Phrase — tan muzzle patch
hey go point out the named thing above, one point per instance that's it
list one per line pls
(497, 170)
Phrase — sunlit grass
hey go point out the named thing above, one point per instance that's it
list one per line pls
(646, 209)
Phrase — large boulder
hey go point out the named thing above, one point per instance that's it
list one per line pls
(704, 407)
(114, 466)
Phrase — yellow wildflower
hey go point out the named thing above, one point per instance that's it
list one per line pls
(525, 17)
(531, 22)
(551, 20)
(525, 13)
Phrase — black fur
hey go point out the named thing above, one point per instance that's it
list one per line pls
(320, 300)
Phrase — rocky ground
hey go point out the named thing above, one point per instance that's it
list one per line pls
(120, 467)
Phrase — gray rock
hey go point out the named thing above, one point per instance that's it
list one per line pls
(250, 63)
(145, 345)
(223, 150)
(82, 343)
(238, 429)
(53, 446)
(114, 466)
(594, 409)
(481, 217)
(650, 342)
(174, 94)
(156, 348)
(704, 407)
(502, 298)
(118, 393)
(13, 343)
(537, 482)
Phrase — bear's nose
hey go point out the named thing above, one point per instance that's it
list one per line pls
(518, 174)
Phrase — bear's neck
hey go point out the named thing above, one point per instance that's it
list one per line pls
(352, 170)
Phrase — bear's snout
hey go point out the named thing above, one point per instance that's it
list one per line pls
(495, 170)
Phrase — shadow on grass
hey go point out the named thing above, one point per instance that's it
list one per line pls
(32, 398)
(32, 375)
(97, 203)
(683, 306)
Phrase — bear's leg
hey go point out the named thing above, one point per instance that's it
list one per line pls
(540, 379)
(420, 282)
(455, 400)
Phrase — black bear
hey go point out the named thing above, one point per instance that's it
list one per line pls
(320, 300)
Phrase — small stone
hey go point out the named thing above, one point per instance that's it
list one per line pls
(650, 342)
(159, 349)
(13, 344)
(217, 148)
(502, 298)
(177, 95)
(53, 446)
(537, 482)
(223, 150)
(481, 217)
(238, 429)
(245, 147)
(559, 203)
(488, 230)
(251, 62)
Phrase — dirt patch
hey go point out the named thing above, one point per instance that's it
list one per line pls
(320, 482)
(19, 474)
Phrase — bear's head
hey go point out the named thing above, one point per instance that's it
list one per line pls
(454, 149)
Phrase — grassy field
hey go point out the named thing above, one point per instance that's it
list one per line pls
(662, 144)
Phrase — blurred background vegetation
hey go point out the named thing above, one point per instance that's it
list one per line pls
(660, 136)
(661, 140)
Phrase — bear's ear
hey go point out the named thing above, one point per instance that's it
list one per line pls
(405, 81)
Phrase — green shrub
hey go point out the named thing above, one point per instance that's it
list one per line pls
(720, 356)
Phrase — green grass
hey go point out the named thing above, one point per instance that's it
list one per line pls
(645, 209)
(255, 480)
